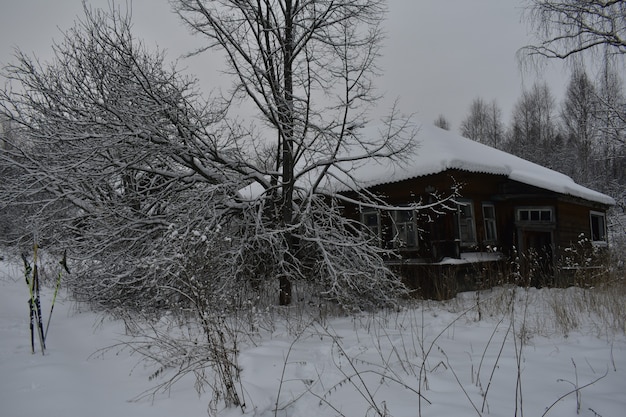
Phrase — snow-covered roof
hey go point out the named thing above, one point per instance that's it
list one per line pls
(439, 150)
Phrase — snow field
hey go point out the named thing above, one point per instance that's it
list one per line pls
(366, 365)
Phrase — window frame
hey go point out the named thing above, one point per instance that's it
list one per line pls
(539, 219)
(374, 233)
(603, 238)
(398, 241)
(490, 221)
(470, 222)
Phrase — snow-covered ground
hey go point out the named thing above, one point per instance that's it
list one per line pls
(361, 366)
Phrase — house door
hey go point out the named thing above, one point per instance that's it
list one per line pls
(537, 258)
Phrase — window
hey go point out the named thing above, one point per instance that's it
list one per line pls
(535, 214)
(371, 220)
(465, 218)
(489, 216)
(405, 229)
(598, 226)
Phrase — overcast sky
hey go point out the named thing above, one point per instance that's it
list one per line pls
(438, 55)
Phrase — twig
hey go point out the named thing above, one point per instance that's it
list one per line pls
(459, 382)
(576, 390)
(495, 365)
(285, 363)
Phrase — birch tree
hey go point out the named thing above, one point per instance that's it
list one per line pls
(610, 119)
(578, 114)
(611, 110)
(484, 123)
(533, 133)
(570, 30)
(567, 28)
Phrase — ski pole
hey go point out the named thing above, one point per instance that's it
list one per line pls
(31, 312)
(63, 263)
(36, 300)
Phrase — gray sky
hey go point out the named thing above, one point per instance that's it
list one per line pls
(438, 55)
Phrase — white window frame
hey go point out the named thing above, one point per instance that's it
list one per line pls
(602, 234)
(535, 214)
(490, 224)
(405, 229)
(467, 224)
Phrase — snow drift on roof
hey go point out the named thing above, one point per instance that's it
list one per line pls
(439, 150)
(436, 151)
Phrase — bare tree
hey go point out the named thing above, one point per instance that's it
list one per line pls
(10, 225)
(495, 127)
(474, 126)
(573, 29)
(165, 204)
(534, 131)
(308, 67)
(610, 119)
(152, 188)
(442, 122)
(611, 109)
(569, 27)
(484, 123)
(578, 112)
(113, 154)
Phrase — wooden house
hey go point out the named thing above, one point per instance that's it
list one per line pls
(507, 213)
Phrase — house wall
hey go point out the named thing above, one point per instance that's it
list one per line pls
(439, 235)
